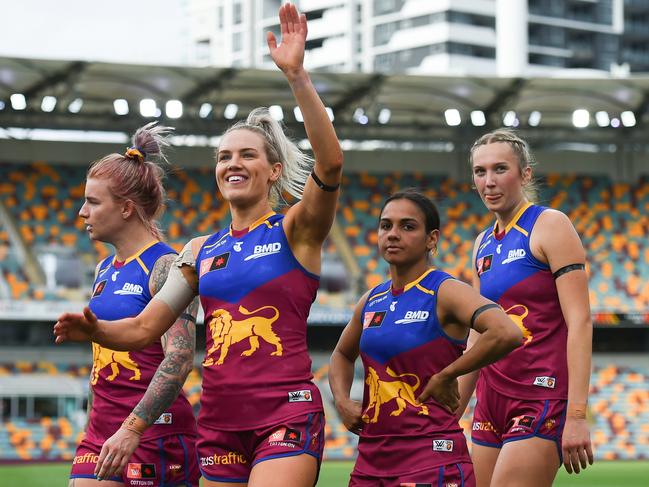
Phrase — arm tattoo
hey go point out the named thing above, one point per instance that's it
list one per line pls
(178, 344)
(159, 273)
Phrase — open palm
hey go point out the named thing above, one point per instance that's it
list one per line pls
(289, 55)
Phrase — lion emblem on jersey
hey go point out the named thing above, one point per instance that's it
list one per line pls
(518, 319)
(103, 357)
(226, 332)
(382, 392)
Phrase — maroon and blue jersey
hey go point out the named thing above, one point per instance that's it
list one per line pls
(402, 346)
(524, 287)
(120, 379)
(256, 297)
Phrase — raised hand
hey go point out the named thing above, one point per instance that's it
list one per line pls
(76, 327)
(289, 55)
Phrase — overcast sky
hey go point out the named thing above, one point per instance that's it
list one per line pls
(132, 31)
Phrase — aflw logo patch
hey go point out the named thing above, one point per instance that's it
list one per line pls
(264, 250)
(300, 396)
(164, 418)
(129, 289)
(413, 317)
(545, 381)
(443, 445)
(513, 255)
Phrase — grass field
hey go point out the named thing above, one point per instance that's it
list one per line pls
(336, 474)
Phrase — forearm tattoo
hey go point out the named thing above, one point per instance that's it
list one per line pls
(178, 344)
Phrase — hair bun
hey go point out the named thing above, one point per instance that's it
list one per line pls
(135, 153)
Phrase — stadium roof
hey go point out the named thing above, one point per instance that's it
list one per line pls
(416, 104)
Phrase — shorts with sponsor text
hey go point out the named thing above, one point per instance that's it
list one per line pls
(168, 461)
(452, 475)
(228, 456)
(498, 419)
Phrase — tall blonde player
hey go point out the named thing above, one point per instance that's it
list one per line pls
(531, 409)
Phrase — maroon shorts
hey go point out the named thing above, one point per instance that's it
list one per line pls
(498, 419)
(228, 456)
(162, 462)
(452, 475)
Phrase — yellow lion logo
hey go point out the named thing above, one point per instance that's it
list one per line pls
(225, 332)
(381, 392)
(103, 357)
(518, 319)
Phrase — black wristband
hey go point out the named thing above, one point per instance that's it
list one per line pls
(481, 310)
(323, 186)
(569, 268)
(188, 317)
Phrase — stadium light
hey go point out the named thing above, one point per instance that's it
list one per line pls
(330, 113)
(174, 109)
(18, 101)
(452, 116)
(535, 119)
(384, 116)
(478, 119)
(298, 114)
(628, 118)
(360, 117)
(75, 105)
(276, 112)
(230, 111)
(510, 119)
(205, 110)
(2, 105)
(148, 108)
(48, 103)
(602, 119)
(615, 122)
(120, 106)
(580, 118)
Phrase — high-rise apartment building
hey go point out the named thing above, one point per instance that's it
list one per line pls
(453, 37)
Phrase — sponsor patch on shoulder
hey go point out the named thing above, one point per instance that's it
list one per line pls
(300, 396)
(545, 381)
(443, 445)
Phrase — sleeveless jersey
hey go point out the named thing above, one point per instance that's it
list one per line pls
(256, 298)
(512, 277)
(402, 346)
(120, 379)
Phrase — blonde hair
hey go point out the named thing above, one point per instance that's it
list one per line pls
(521, 150)
(296, 165)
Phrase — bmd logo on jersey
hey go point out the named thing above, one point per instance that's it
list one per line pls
(443, 445)
(414, 317)
(130, 289)
(99, 288)
(513, 255)
(373, 319)
(264, 250)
